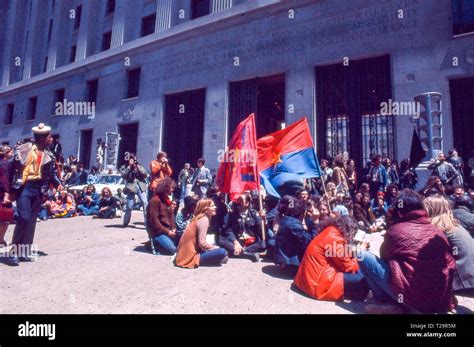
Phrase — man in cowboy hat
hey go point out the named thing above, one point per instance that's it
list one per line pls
(39, 173)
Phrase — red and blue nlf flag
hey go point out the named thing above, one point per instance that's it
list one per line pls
(237, 171)
(285, 155)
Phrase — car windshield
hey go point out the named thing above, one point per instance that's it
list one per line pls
(109, 179)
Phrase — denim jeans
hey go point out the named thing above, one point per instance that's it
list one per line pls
(164, 244)
(378, 276)
(131, 202)
(212, 257)
(355, 286)
(88, 211)
(28, 207)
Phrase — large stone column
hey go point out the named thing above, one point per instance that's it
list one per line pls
(220, 5)
(87, 32)
(32, 45)
(126, 22)
(9, 27)
(167, 12)
(215, 120)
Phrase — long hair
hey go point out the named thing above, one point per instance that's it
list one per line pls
(345, 224)
(164, 185)
(201, 208)
(440, 212)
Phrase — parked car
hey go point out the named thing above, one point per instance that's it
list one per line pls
(113, 181)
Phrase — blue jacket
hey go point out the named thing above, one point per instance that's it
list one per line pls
(291, 241)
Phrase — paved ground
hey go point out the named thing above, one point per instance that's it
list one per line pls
(94, 266)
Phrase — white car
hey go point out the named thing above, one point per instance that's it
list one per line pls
(113, 181)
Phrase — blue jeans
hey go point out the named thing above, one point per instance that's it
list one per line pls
(28, 207)
(131, 202)
(164, 244)
(213, 257)
(378, 276)
(88, 211)
(355, 286)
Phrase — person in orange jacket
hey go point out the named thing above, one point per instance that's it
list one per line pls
(160, 168)
(329, 269)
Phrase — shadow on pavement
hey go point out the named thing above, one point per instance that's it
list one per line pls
(276, 272)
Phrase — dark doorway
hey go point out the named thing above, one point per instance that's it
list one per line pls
(462, 106)
(263, 96)
(348, 110)
(183, 128)
(86, 148)
(128, 141)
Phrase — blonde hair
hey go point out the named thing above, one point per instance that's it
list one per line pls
(202, 206)
(440, 212)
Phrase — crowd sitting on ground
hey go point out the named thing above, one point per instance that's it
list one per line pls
(316, 232)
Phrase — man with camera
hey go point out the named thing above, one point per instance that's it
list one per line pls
(135, 176)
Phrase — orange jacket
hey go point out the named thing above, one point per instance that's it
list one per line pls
(320, 274)
(158, 171)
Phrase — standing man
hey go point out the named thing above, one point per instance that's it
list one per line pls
(160, 168)
(135, 176)
(202, 179)
(57, 149)
(377, 176)
(446, 172)
(38, 174)
(183, 180)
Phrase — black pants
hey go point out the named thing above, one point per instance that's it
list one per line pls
(28, 207)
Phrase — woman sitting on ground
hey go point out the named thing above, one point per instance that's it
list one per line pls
(363, 213)
(193, 250)
(107, 204)
(161, 225)
(186, 215)
(68, 205)
(329, 269)
(89, 205)
(441, 214)
(292, 237)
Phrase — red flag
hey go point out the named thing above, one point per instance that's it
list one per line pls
(237, 170)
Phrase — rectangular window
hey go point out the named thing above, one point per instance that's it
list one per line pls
(148, 25)
(9, 114)
(92, 89)
(58, 98)
(133, 83)
(110, 7)
(106, 40)
(463, 16)
(200, 8)
(77, 19)
(72, 55)
(31, 112)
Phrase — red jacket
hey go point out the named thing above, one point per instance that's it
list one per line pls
(321, 276)
(421, 263)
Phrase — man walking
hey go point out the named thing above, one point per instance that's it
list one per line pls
(38, 174)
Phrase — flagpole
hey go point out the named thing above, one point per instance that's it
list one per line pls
(260, 203)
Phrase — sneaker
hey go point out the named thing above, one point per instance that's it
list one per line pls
(255, 257)
(12, 261)
(27, 259)
(382, 309)
(224, 260)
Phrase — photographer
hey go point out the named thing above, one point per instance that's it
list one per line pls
(159, 169)
(135, 176)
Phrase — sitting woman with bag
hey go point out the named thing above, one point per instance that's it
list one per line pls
(6, 209)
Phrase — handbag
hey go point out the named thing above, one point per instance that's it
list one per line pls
(6, 214)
